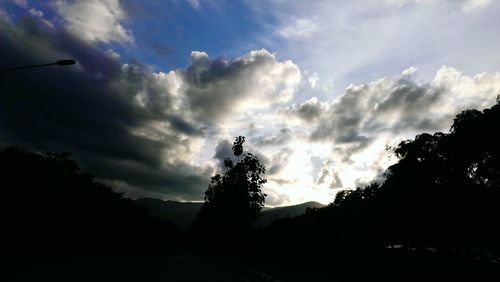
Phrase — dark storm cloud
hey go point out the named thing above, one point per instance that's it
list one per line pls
(180, 124)
(92, 110)
(223, 150)
(176, 180)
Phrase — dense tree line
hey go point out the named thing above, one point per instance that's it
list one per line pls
(50, 205)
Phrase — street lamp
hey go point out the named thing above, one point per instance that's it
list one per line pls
(58, 63)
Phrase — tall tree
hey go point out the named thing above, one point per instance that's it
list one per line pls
(234, 198)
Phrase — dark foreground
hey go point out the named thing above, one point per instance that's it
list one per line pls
(275, 267)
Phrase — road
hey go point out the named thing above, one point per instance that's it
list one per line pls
(264, 267)
(124, 268)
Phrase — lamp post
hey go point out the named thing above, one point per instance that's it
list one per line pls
(58, 63)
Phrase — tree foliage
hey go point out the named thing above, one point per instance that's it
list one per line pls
(444, 190)
(234, 198)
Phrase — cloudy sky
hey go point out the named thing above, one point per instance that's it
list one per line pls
(319, 88)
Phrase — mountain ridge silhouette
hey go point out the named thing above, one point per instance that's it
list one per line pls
(184, 213)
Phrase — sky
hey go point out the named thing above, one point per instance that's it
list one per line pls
(320, 89)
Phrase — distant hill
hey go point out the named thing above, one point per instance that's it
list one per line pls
(181, 213)
(184, 213)
(268, 215)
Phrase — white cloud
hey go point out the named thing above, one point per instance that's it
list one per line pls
(471, 5)
(22, 3)
(41, 16)
(466, 5)
(4, 16)
(464, 91)
(95, 20)
(409, 71)
(404, 2)
(36, 13)
(195, 4)
(112, 54)
(299, 29)
(313, 80)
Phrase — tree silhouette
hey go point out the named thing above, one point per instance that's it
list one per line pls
(444, 191)
(234, 198)
(51, 205)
